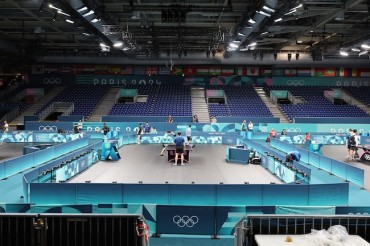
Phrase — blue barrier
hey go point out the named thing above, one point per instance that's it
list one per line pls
(255, 120)
(342, 170)
(151, 119)
(70, 118)
(323, 120)
(281, 171)
(191, 194)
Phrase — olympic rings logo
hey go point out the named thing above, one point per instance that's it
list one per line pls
(295, 82)
(52, 81)
(48, 128)
(367, 157)
(185, 220)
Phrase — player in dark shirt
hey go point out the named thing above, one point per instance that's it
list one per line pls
(293, 156)
(180, 146)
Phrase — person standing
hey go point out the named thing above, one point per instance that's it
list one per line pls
(142, 231)
(244, 128)
(188, 136)
(169, 119)
(353, 143)
(6, 127)
(347, 142)
(79, 126)
(250, 126)
(139, 132)
(180, 146)
(105, 129)
(147, 128)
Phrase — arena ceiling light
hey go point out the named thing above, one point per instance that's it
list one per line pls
(53, 7)
(291, 12)
(251, 21)
(70, 21)
(355, 49)
(62, 13)
(365, 46)
(343, 52)
(95, 20)
(118, 44)
(241, 34)
(263, 13)
(233, 45)
(252, 44)
(88, 13)
(278, 19)
(264, 33)
(268, 9)
(364, 52)
(82, 9)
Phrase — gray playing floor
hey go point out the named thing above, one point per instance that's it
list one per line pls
(144, 163)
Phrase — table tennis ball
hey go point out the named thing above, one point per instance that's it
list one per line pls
(289, 239)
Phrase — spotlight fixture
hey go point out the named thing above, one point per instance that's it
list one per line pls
(233, 45)
(278, 19)
(297, 56)
(343, 52)
(70, 21)
(241, 34)
(251, 21)
(365, 46)
(88, 13)
(268, 9)
(263, 13)
(118, 44)
(82, 9)
(289, 57)
(355, 49)
(95, 20)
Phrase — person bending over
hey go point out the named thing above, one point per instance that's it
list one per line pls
(293, 156)
(180, 146)
(167, 139)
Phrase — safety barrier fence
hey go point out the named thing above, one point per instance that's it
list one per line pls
(340, 169)
(69, 229)
(251, 225)
(13, 166)
(273, 161)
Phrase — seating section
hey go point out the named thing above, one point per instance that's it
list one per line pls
(84, 97)
(360, 93)
(174, 100)
(138, 108)
(161, 101)
(315, 105)
(240, 101)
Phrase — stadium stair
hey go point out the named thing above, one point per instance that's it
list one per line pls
(105, 104)
(36, 106)
(356, 102)
(199, 104)
(275, 110)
